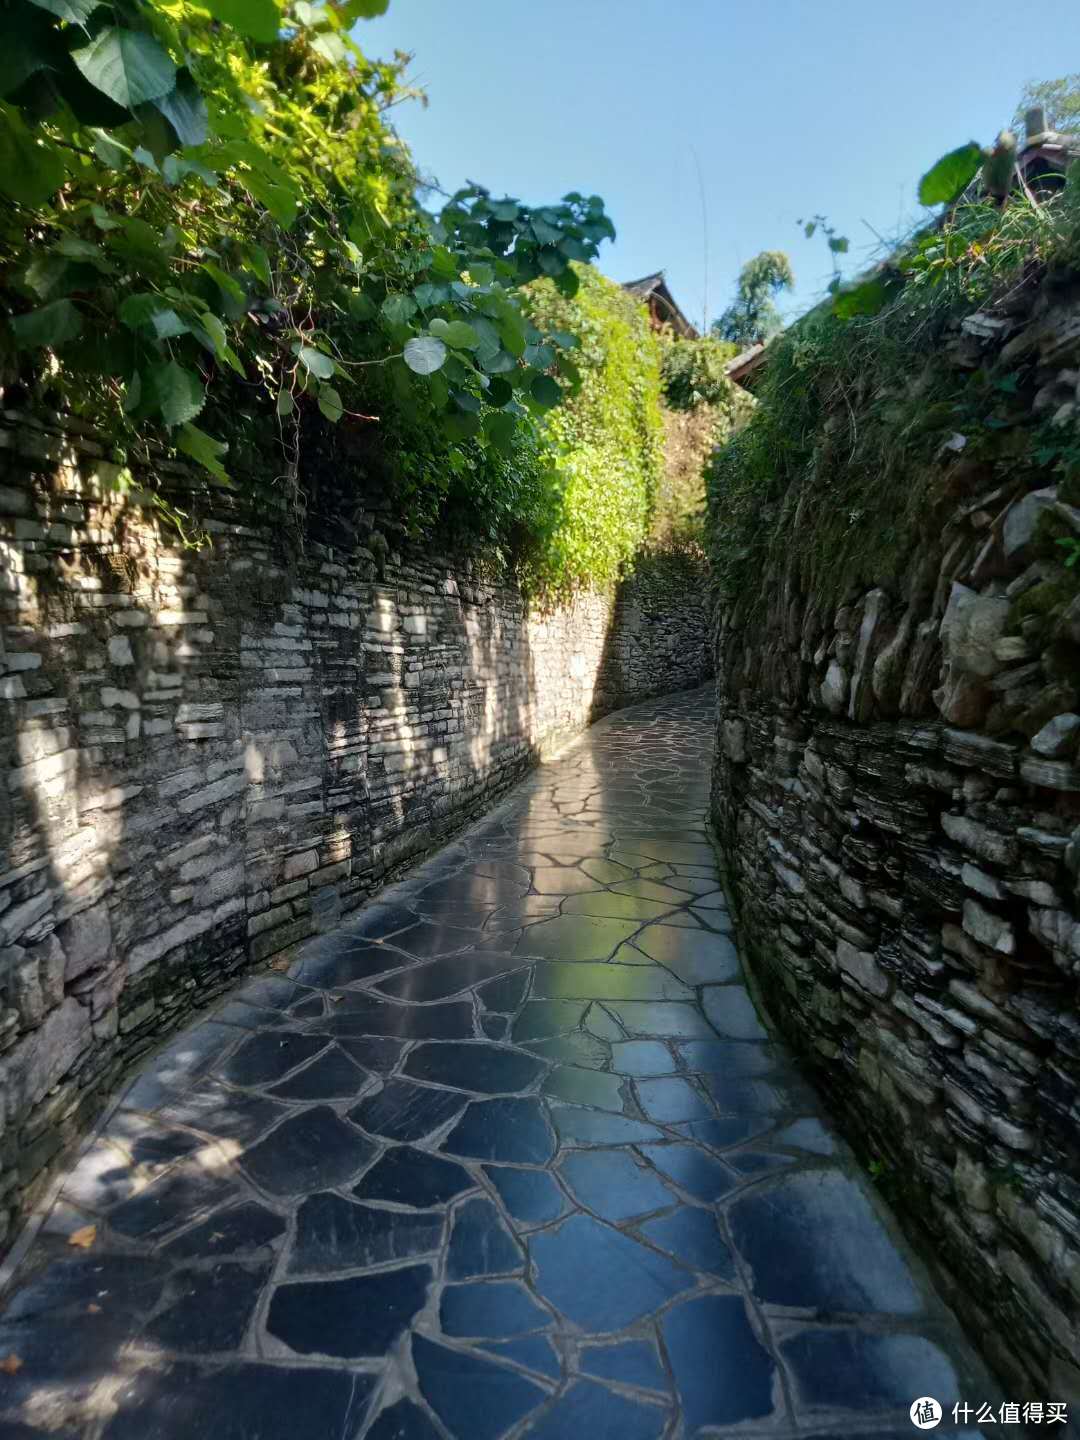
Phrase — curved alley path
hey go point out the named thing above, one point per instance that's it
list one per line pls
(509, 1154)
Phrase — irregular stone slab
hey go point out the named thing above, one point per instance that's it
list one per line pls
(335, 961)
(505, 996)
(443, 978)
(363, 1315)
(600, 1279)
(598, 1022)
(851, 1370)
(223, 1113)
(512, 1131)
(332, 1076)
(698, 958)
(360, 1014)
(588, 1409)
(575, 937)
(543, 1018)
(815, 1241)
(807, 1134)
(243, 1229)
(269, 1055)
(483, 1069)
(725, 1057)
(671, 1099)
(312, 1150)
(731, 1012)
(211, 1310)
(497, 1310)
(618, 907)
(560, 880)
(403, 1111)
(577, 1126)
(578, 1048)
(633, 1362)
(532, 1351)
(273, 1402)
(692, 1236)
(167, 1204)
(612, 1184)
(472, 1396)
(429, 938)
(334, 1234)
(723, 1374)
(642, 1057)
(65, 1288)
(586, 1087)
(609, 981)
(531, 1196)
(413, 1177)
(693, 1170)
(480, 1244)
(639, 1017)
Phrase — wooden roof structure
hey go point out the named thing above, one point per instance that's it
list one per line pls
(652, 290)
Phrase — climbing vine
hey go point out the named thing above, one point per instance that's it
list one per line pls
(204, 216)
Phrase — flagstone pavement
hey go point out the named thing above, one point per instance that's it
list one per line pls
(510, 1153)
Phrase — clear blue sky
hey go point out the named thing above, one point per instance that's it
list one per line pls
(792, 107)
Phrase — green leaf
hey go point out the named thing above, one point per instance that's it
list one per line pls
(281, 200)
(53, 325)
(30, 172)
(225, 282)
(398, 309)
(481, 273)
(500, 428)
(496, 362)
(330, 403)
(179, 392)
(260, 19)
(127, 65)
(564, 339)
(75, 12)
(949, 178)
(838, 244)
(330, 46)
(316, 362)
(424, 354)
(354, 10)
(29, 43)
(185, 110)
(461, 336)
(499, 391)
(545, 391)
(506, 210)
(285, 403)
(203, 448)
(865, 299)
(258, 262)
(460, 426)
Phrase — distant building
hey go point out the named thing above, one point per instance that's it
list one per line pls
(743, 369)
(652, 290)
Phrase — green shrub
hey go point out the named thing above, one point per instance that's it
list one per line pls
(694, 371)
(605, 443)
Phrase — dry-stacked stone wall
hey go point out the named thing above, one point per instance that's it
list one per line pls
(897, 793)
(209, 754)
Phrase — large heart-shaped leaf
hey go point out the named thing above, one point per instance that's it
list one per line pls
(127, 65)
(316, 362)
(30, 172)
(52, 325)
(185, 110)
(75, 12)
(424, 354)
(949, 178)
(179, 391)
(203, 448)
(260, 19)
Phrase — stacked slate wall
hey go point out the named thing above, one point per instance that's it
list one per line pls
(209, 754)
(897, 795)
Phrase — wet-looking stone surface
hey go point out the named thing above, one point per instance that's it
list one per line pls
(511, 1153)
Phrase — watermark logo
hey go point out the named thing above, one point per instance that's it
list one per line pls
(925, 1413)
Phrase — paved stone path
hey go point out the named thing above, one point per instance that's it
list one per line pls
(509, 1154)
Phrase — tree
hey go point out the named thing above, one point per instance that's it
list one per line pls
(1059, 98)
(753, 316)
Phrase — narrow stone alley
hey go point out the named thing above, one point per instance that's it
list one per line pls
(509, 1153)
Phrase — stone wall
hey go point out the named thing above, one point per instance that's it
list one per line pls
(897, 793)
(209, 754)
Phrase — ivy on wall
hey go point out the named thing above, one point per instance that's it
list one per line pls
(605, 444)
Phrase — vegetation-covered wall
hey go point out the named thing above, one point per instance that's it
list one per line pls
(897, 783)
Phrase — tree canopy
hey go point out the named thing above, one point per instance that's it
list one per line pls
(753, 315)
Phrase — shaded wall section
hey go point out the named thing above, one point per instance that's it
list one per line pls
(897, 794)
(209, 755)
